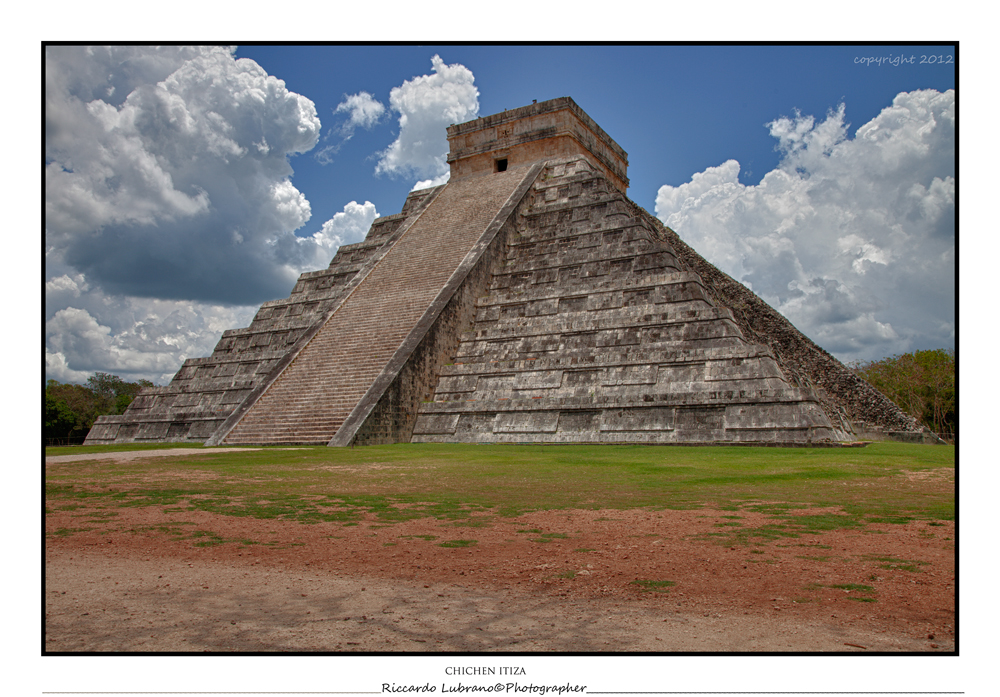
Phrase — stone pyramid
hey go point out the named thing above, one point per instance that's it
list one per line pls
(527, 300)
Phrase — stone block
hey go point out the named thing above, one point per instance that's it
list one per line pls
(631, 375)
(496, 383)
(233, 396)
(440, 424)
(548, 306)
(470, 425)
(187, 399)
(103, 430)
(701, 420)
(537, 380)
(458, 383)
(178, 430)
(156, 430)
(638, 419)
(203, 429)
(581, 422)
(526, 422)
(584, 378)
(572, 304)
(544, 276)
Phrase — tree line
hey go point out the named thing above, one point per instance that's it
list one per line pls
(922, 383)
(70, 410)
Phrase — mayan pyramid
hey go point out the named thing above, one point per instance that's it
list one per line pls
(527, 300)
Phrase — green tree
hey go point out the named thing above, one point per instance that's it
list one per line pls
(80, 400)
(103, 394)
(113, 394)
(922, 383)
(59, 418)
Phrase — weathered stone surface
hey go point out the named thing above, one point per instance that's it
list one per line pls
(528, 300)
(592, 330)
(552, 129)
(855, 407)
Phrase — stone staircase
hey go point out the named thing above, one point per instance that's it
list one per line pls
(315, 394)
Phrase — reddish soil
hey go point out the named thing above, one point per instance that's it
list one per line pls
(545, 581)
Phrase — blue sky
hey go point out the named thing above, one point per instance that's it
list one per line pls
(184, 186)
(706, 104)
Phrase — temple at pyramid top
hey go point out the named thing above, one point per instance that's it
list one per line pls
(551, 129)
(526, 300)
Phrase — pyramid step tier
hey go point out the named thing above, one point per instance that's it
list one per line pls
(593, 330)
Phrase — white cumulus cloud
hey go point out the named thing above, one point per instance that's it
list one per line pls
(362, 110)
(135, 337)
(427, 105)
(347, 227)
(75, 337)
(852, 239)
(315, 252)
(87, 330)
(167, 170)
(170, 208)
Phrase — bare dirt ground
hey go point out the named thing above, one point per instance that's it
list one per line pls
(150, 579)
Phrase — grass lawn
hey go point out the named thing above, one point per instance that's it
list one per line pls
(884, 482)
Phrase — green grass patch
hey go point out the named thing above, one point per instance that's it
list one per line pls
(206, 538)
(66, 532)
(98, 515)
(852, 587)
(654, 586)
(790, 526)
(549, 536)
(892, 520)
(472, 484)
(471, 523)
(459, 543)
(749, 536)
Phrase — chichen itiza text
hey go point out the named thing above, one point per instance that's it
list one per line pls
(526, 300)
